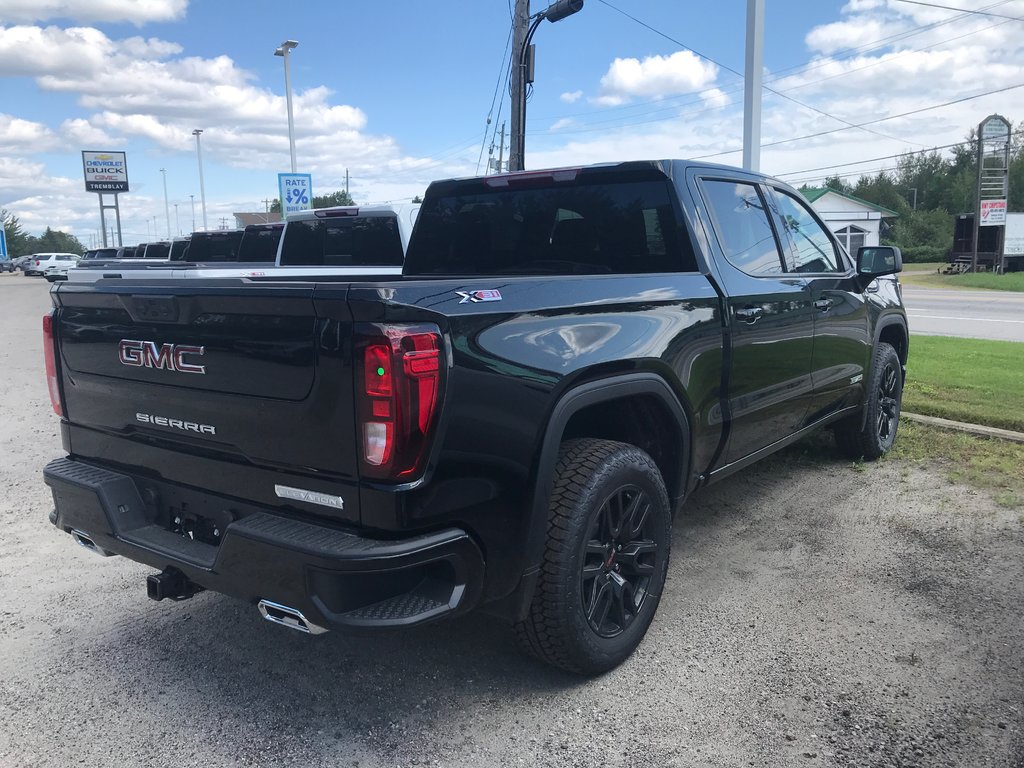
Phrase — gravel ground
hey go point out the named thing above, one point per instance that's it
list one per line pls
(816, 614)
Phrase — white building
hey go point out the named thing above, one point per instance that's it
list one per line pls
(855, 222)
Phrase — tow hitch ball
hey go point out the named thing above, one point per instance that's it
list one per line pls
(171, 584)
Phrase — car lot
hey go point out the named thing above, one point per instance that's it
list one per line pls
(816, 614)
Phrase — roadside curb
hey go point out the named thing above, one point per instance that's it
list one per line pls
(960, 426)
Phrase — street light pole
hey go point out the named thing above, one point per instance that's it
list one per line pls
(167, 208)
(283, 52)
(193, 199)
(202, 187)
(177, 221)
(523, 33)
(752, 86)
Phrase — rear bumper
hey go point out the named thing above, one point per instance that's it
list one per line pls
(334, 578)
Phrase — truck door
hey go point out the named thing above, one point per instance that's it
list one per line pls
(770, 320)
(842, 342)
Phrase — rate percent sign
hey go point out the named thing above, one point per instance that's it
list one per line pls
(296, 190)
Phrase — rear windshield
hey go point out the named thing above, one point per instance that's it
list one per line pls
(344, 241)
(260, 244)
(580, 227)
(214, 246)
(157, 250)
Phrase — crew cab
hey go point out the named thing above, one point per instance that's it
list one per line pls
(509, 425)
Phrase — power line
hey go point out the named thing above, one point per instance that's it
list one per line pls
(962, 10)
(740, 74)
(870, 122)
(494, 98)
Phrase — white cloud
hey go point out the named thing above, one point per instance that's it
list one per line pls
(716, 98)
(81, 133)
(571, 97)
(136, 12)
(19, 136)
(853, 33)
(565, 122)
(655, 76)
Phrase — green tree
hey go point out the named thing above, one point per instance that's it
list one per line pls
(417, 199)
(331, 200)
(17, 240)
(52, 241)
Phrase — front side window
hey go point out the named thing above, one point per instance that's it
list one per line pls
(810, 248)
(741, 225)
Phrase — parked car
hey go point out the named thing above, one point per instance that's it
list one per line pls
(511, 424)
(41, 262)
(56, 265)
(21, 262)
(6, 264)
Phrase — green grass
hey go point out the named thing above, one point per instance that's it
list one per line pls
(982, 280)
(981, 382)
(995, 466)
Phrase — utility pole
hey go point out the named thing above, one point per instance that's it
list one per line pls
(752, 86)
(520, 29)
(346, 181)
(501, 149)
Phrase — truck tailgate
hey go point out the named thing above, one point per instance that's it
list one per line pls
(246, 374)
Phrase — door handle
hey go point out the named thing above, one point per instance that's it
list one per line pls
(824, 304)
(749, 314)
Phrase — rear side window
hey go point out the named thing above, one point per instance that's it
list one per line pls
(594, 227)
(349, 241)
(742, 227)
(178, 250)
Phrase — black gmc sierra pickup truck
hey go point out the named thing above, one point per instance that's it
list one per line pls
(510, 425)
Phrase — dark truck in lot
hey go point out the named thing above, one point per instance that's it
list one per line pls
(510, 425)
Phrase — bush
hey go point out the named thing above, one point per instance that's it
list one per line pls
(917, 254)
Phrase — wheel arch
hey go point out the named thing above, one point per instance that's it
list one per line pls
(637, 408)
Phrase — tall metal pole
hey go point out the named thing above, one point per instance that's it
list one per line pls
(520, 29)
(283, 51)
(202, 187)
(752, 86)
(177, 221)
(167, 207)
(501, 149)
(103, 220)
(193, 199)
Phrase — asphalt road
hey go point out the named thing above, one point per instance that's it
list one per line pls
(995, 315)
(817, 613)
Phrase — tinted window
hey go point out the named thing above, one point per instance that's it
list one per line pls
(811, 249)
(157, 250)
(584, 227)
(178, 249)
(344, 241)
(742, 227)
(259, 244)
(214, 246)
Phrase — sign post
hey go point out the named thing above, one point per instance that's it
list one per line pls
(296, 190)
(106, 173)
(993, 183)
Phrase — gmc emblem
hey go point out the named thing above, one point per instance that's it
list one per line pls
(147, 354)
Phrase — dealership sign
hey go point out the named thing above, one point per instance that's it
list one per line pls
(993, 213)
(296, 192)
(105, 171)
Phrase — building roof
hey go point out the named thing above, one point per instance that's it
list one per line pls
(245, 219)
(813, 194)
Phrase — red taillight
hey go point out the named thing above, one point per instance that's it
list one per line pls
(50, 355)
(399, 398)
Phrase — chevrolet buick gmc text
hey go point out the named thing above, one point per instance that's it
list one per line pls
(509, 425)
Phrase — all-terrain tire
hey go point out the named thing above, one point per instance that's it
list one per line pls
(588, 565)
(873, 436)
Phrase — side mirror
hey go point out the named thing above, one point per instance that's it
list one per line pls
(877, 260)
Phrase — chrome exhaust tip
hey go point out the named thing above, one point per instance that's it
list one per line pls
(288, 617)
(85, 540)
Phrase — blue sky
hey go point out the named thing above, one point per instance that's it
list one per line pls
(400, 97)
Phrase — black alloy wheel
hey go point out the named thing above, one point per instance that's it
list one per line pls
(618, 562)
(870, 435)
(888, 402)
